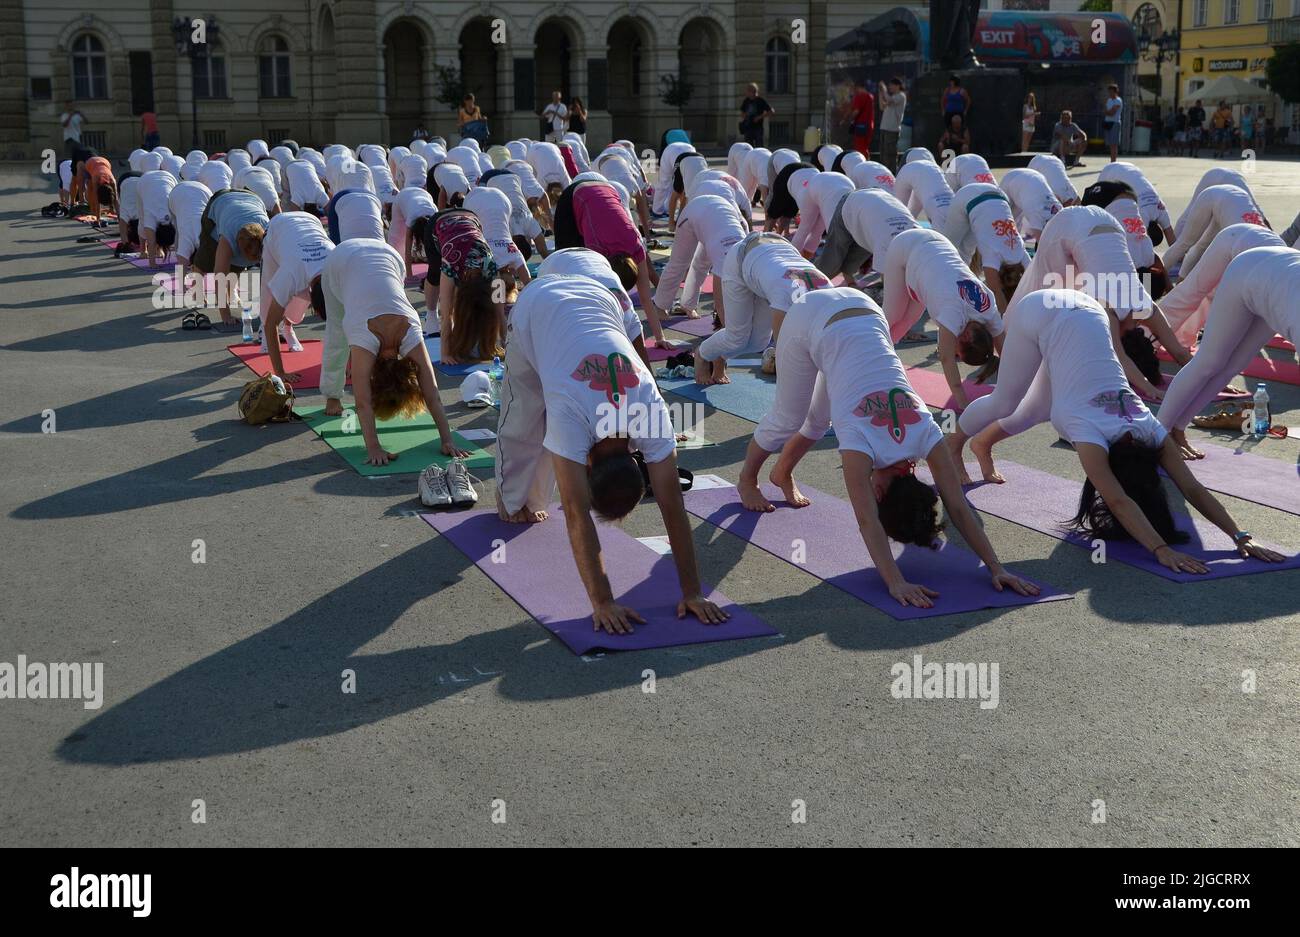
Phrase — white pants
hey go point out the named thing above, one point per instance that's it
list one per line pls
(688, 264)
(802, 404)
(335, 349)
(1204, 219)
(296, 310)
(525, 472)
(812, 225)
(748, 329)
(1023, 395)
(1234, 334)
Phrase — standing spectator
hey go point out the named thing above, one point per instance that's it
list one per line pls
(1114, 120)
(1263, 131)
(1068, 140)
(861, 114)
(71, 120)
(1195, 127)
(955, 138)
(471, 122)
(149, 130)
(578, 119)
(956, 100)
(1029, 113)
(1180, 132)
(893, 103)
(556, 118)
(1247, 129)
(1222, 122)
(754, 110)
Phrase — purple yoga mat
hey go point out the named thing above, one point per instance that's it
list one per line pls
(701, 327)
(1043, 502)
(1274, 483)
(834, 552)
(540, 574)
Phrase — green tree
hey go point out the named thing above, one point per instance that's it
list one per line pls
(1283, 72)
(451, 85)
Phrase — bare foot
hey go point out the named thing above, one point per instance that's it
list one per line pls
(691, 313)
(752, 498)
(720, 372)
(703, 370)
(984, 456)
(1188, 451)
(522, 516)
(786, 483)
(963, 476)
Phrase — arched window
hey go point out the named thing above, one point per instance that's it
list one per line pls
(210, 71)
(778, 66)
(273, 67)
(89, 67)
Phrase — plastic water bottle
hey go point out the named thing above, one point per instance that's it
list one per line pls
(248, 325)
(496, 374)
(1262, 418)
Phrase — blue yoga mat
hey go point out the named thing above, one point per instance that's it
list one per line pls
(749, 395)
(434, 344)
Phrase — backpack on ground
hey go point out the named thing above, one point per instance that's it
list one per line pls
(266, 400)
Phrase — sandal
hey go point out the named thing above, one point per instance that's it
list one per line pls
(189, 322)
(201, 321)
(1227, 414)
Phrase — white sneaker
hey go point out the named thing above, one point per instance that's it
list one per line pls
(432, 487)
(290, 337)
(461, 483)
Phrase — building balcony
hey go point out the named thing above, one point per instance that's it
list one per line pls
(1284, 30)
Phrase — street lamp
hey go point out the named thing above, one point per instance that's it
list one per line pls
(184, 32)
(1160, 49)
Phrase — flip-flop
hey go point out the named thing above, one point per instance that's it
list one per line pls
(201, 321)
(188, 322)
(1278, 432)
(915, 338)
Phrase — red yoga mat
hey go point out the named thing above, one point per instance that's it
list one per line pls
(306, 362)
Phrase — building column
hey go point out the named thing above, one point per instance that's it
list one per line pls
(14, 122)
(359, 58)
(166, 87)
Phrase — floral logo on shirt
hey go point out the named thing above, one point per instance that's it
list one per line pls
(894, 408)
(612, 374)
(1253, 217)
(985, 177)
(1113, 402)
(1134, 226)
(886, 181)
(1005, 228)
(971, 292)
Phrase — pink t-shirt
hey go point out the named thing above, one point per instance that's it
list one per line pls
(604, 223)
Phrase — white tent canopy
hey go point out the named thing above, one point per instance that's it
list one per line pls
(1234, 90)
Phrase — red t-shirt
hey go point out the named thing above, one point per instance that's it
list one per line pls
(150, 122)
(604, 224)
(864, 108)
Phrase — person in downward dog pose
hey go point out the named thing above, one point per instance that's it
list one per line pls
(1052, 169)
(1155, 216)
(525, 230)
(578, 261)
(862, 227)
(293, 253)
(1215, 175)
(1188, 303)
(1060, 365)
(868, 174)
(706, 229)
(575, 401)
(966, 169)
(836, 363)
(921, 186)
(1254, 300)
(493, 211)
(980, 222)
(157, 230)
(355, 213)
(471, 312)
(411, 205)
(185, 203)
(371, 328)
(1213, 210)
(782, 207)
(1032, 201)
(923, 271)
(817, 199)
(763, 278)
(753, 174)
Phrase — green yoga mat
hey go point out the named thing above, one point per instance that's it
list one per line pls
(415, 440)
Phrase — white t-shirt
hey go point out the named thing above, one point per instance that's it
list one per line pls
(927, 182)
(186, 203)
(936, 276)
(1115, 102)
(1272, 278)
(528, 180)
(411, 204)
(304, 184)
(258, 181)
(1053, 170)
(257, 149)
(1152, 208)
(492, 208)
(868, 174)
(522, 222)
(918, 153)
(968, 168)
(1127, 213)
(874, 218)
(1031, 198)
(556, 113)
(980, 217)
(775, 271)
(360, 215)
(296, 246)
(414, 172)
(467, 160)
(450, 179)
(173, 164)
(155, 186)
(716, 225)
(236, 160)
(579, 261)
(215, 175)
(548, 164)
(1091, 398)
(575, 337)
(827, 189)
(617, 169)
(873, 407)
(72, 129)
(384, 185)
(368, 277)
(728, 187)
(150, 162)
(128, 198)
(65, 180)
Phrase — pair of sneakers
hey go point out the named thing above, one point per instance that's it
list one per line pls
(287, 335)
(452, 486)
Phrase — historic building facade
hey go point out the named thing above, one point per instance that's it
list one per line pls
(355, 70)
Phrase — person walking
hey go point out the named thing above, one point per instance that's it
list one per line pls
(893, 103)
(1029, 114)
(754, 110)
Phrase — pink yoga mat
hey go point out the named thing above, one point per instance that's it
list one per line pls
(416, 278)
(1283, 370)
(1044, 502)
(833, 551)
(533, 564)
(933, 388)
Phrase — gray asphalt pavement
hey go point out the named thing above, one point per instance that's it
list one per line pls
(222, 679)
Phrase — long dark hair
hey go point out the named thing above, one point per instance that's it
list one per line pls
(1136, 467)
(909, 512)
(1141, 350)
(474, 327)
